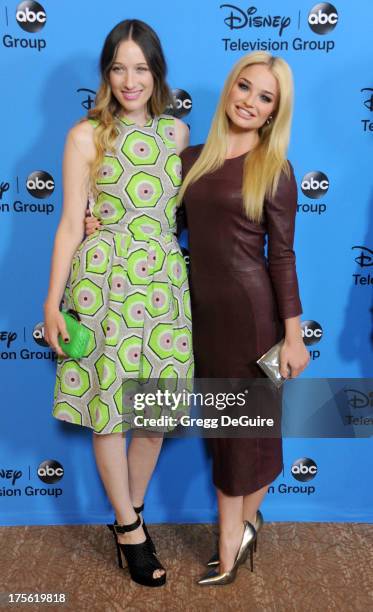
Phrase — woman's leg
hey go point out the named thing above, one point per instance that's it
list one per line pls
(112, 465)
(142, 456)
(251, 503)
(231, 528)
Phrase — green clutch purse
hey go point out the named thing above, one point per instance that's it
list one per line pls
(78, 334)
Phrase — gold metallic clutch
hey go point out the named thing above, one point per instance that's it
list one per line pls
(270, 364)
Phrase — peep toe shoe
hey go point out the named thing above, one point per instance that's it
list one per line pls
(141, 561)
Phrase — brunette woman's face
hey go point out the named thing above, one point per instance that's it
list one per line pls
(130, 79)
(253, 97)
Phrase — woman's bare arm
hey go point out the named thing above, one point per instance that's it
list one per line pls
(78, 154)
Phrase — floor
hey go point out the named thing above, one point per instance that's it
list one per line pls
(298, 567)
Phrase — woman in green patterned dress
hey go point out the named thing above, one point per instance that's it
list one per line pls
(127, 281)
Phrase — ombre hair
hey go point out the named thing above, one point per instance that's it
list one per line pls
(264, 164)
(107, 106)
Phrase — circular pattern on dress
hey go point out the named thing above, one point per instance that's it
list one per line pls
(141, 149)
(71, 379)
(98, 256)
(107, 210)
(128, 282)
(159, 299)
(86, 298)
(141, 269)
(177, 270)
(111, 328)
(136, 311)
(145, 191)
(165, 340)
(117, 284)
(182, 344)
(169, 133)
(106, 171)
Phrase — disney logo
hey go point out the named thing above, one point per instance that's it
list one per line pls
(358, 399)
(11, 475)
(369, 101)
(365, 260)
(3, 188)
(238, 18)
(8, 337)
(88, 101)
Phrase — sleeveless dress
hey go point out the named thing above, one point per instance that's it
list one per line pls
(240, 297)
(128, 284)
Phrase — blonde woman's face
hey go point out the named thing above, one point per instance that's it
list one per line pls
(253, 98)
(130, 78)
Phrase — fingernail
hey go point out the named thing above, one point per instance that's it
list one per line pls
(66, 340)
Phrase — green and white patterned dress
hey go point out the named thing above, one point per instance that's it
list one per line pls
(128, 283)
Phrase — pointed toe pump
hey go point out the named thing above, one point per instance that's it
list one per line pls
(215, 578)
(258, 524)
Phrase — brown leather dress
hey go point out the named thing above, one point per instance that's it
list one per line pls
(239, 299)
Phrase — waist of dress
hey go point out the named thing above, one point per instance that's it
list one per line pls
(139, 233)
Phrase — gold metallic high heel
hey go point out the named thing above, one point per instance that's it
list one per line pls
(213, 577)
(258, 524)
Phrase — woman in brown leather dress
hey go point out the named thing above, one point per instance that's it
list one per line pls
(238, 191)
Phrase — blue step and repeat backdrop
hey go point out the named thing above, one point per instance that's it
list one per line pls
(49, 55)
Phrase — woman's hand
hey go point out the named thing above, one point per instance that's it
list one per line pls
(54, 324)
(294, 358)
(91, 224)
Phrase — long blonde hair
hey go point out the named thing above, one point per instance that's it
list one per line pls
(106, 106)
(263, 164)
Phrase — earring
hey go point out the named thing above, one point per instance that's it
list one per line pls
(269, 120)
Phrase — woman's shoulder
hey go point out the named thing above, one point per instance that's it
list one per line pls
(191, 153)
(287, 174)
(81, 135)
(181, 134)
(83, 131)
(285, 196)
(290, 166)
(189, 156)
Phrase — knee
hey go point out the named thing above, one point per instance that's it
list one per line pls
(153, 441)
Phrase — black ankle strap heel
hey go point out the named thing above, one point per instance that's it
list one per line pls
(123, 529)
(139, 509)
(127, 528)
(140, 560)
(149, 540)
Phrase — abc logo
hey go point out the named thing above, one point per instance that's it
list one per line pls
(304, 469)
(31, 16)
(50, 471)
(311, 332)
(40, 184)
(323, 18)
(38, 334)
(182, 104)
(315, 184)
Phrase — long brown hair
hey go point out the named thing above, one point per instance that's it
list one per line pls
(106, 105)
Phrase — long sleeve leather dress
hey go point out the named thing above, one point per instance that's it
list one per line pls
(240, 296)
